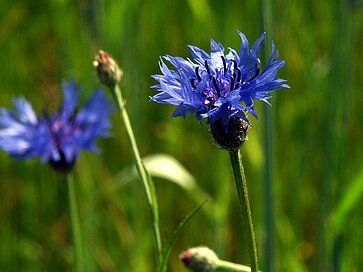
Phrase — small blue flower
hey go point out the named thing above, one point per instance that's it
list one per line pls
(213, 86)
(57, 138)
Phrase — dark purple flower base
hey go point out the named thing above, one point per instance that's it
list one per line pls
(232, 137)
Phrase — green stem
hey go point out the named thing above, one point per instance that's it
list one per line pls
(76, 229)
(241, 185)
(230, 267)
(141, 170)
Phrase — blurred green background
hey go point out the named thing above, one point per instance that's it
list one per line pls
(314, 220)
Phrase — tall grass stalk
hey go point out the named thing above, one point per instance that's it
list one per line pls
(336, 140)
(75, 224)
(268, 136)
(147, 182)
(241, 185)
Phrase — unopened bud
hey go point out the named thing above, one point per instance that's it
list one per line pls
(199, 259)
(108, 72)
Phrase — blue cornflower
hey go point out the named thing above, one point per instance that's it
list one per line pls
(57, 138)
(213, 86)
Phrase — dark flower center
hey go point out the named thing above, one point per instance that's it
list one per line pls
(61, 129)
(220, 82)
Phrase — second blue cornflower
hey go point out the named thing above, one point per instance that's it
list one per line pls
(55, 138)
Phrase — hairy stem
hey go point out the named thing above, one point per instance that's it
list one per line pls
(241, 185)
(229, 267)
(147, 182)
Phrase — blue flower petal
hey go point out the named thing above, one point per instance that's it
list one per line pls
(23, 135)
(198, 54)
(218, 86)
(70, 98)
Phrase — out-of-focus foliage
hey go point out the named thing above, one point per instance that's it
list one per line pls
(317, 127)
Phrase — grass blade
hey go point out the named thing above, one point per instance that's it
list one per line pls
(349, 200)
(166, 253)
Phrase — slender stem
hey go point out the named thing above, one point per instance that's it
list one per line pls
(76, 229)
(228, 266)
(141, 170)
(241, 185)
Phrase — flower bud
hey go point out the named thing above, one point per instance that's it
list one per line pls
(62, 165)
(231, 136)
(108, 72)
(199, 259)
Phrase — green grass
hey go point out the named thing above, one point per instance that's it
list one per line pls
(317, 128)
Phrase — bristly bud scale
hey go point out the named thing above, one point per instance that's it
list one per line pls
(108, 72)
(230, 136)
(199, 259)
(62, 165)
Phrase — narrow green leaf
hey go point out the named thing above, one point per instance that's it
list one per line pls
(349, 200)
(166, 252)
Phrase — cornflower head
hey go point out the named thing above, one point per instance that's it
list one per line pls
(220, 88)
(55, 138)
